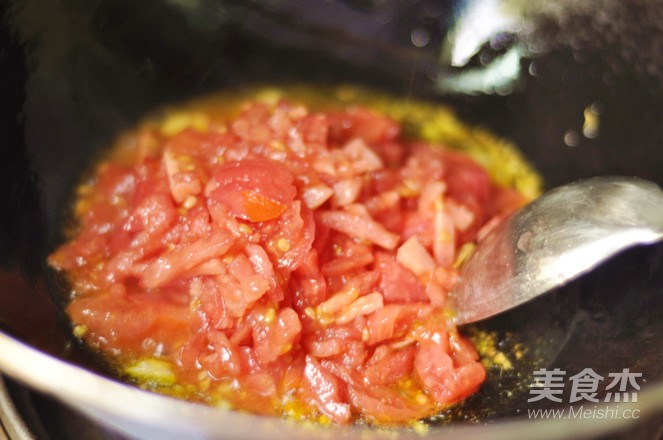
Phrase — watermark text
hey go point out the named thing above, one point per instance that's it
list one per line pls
(584, 412)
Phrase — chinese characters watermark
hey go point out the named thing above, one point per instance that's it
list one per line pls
(550, 385)
(584, 387)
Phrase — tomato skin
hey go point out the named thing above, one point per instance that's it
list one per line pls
(307, 285)
(388, 365)
(126, 322)
(365, 124)
(446, 381)
(382, 405)
(164, 269)
(242, 287)
(223, 360)
(434, 366)
(465, 178)
(393, 320)
(323, 390)
(155, 214)
(254, 189)
(276, 336)
(289, 238)
(398, 284)
(378, 404)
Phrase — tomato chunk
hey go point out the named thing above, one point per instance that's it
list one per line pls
(255, 190)
(324, 390)
(283, 261)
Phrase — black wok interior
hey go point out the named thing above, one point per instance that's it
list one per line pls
(76, 73)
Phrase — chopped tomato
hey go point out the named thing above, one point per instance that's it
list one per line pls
(388, 365)
(446, 383)
(284, 262)
(324, 391)
(275, 335)
(289, 238)
(136, 322)
(253, 189)
(398, 284)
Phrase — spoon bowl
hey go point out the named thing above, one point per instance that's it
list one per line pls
(563, 234)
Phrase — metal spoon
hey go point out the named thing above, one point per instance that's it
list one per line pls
(561, 235)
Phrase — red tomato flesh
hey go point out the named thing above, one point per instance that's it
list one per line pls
(264, 262)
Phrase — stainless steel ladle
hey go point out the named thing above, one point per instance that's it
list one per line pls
(561, 235)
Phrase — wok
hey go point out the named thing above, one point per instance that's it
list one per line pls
(585, 99)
